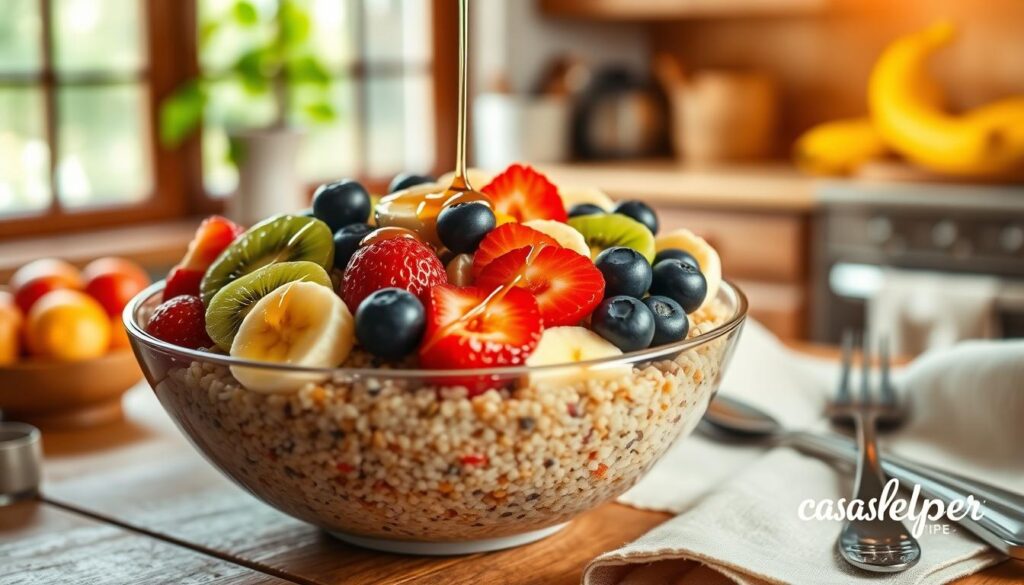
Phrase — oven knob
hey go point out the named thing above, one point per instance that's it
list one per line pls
(944, 234)
(879, 230)
(1011, 238)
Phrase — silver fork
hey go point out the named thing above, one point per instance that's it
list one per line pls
(882, 545)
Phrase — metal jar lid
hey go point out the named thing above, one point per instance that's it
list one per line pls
(21, 457)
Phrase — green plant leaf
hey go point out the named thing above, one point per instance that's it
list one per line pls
(236, 151)
(181, 113)
(308, 69)
(293, 24)
(253, 69)
(320, 112)
(245, 13)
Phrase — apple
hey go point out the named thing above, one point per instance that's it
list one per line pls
(113, 282)
(37, 278)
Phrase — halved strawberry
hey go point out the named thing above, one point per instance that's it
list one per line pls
(525, 194)
(567, 285)
(214, 235)
(505, 238)
(470, 327)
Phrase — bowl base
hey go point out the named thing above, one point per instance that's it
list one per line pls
(463, 547)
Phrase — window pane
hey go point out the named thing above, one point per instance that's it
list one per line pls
(331, 151)
(333, 38)
(104, 145)
(20, 34)
(24, 154)
(397, 30)
(98, 35)
(400, 127)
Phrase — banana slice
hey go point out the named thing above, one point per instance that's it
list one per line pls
(563, 233)
(568, 345)
(301, 324)
(575, 195)
(707, 257)
(478, 178)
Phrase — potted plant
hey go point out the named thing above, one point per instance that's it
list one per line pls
(276, 66)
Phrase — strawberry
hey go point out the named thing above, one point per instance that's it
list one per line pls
(567, 285)
(470, 327)
(505, 238)
(399, 262)
(525, 194)
(214, 235)
(181, 321)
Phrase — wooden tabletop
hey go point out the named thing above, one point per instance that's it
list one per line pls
(134, 503)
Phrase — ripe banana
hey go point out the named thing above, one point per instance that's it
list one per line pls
(574, 195)
(706, 256)
(839, 147)
(299, 324)
(970, 145)
(568, 345)
(563, 233)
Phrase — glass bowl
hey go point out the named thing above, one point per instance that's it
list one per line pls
(403, 460)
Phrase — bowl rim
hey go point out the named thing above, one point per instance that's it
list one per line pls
(139, 336)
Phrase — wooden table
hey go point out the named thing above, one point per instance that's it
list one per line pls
(134, 503)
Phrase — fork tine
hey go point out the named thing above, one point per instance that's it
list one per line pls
(888, 394)
(865, 369)
(843, 391)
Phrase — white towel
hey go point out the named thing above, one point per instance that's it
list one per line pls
(737, 506)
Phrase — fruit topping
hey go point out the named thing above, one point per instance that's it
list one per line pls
(505, 238)
(181, 321)
(708, 262)
(470, 327)
(299, 324)
(585, 209)
(624, 321)
(113, 282)
(404, 181)
(680, 282)
(228, 308)
(607, 231)
(670, 321)
(525, 194)
(212, 237)
(639, 211)
(625, 271)
(564, 234)
(401, 262)
(463, 226)
(417, 209)
(33, 280)
(574, 195)
(390, 323)
(346, 242)
(569, 345)
(567, 286)
(283, 238)
(674, 254)
(341, 203)
(460, 270)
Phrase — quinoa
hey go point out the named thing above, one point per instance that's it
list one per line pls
(380, 457)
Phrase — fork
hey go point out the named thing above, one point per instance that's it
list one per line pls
(882, 545)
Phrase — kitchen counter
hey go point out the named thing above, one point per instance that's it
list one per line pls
(765, 187)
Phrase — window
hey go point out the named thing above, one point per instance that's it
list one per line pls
(81, 83)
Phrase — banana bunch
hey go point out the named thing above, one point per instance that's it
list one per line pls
(907, 116)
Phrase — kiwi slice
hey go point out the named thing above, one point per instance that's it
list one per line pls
(282, 238)
(614, 229)
(229, 307)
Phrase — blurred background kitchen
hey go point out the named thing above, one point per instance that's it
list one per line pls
(124, 121)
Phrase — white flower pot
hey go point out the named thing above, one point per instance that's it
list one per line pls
(268, 175)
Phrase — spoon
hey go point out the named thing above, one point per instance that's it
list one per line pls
(1001, 524)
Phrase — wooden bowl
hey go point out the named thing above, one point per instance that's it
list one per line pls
(67, 395)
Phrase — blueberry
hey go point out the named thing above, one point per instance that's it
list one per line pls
(624, 321)
(670, 321)
(463, 225)
(680, 282)
(676, 254)
(341, 203)
(639, 211)
(406, 180)
(585, 209)
(346, 242)
(625, 271)
(390, 323)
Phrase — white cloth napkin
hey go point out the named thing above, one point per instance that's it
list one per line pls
(738, 505)
(922, 310)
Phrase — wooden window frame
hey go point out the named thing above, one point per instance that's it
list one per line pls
(171, 47)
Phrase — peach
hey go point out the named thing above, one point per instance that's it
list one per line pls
(67, 325)
(37, 278)
(11, 321)
(113, 282)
